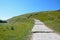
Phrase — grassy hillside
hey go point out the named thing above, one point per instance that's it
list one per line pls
(19, 27)
(50, 18)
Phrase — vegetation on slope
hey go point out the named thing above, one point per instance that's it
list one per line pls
(19, 27)
(50, 18)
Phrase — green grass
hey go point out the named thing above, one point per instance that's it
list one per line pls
(23, 24)
(22, 28)
(50, 18)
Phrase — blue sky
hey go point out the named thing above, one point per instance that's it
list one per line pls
(11, 8)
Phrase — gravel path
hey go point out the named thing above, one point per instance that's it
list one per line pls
(41, 32)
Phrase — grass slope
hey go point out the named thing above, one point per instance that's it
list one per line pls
(19, 27)
(50, 18)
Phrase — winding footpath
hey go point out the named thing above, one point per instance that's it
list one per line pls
(41, 32)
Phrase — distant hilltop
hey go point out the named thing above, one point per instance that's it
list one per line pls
(1, 21)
